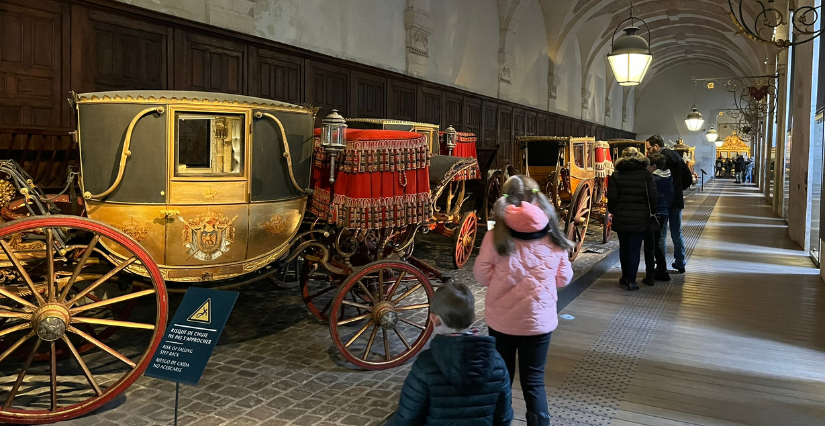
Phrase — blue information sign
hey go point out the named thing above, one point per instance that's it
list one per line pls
(192, 335)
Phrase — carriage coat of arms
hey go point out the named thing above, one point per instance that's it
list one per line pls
(208, 235)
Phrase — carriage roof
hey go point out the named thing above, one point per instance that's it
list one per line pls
(175, 96)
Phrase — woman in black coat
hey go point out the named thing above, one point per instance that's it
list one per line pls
(631, 197)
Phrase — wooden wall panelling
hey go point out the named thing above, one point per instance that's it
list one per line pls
(453, 111)
(327, 87)
(368, 97)
(541, 124)
(119, 53)
(472, 115)
(430, 104)
(273, 75)
(505, 134)
(530, 123)
(489, 125)
(209, 64)
(518, 122)
(34, 63)
(401, 100)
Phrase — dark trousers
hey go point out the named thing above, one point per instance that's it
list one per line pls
(532, 355)
(649, 251)
(630, 246)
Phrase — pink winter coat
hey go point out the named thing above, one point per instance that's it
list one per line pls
(522, 287)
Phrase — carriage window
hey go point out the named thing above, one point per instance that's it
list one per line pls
(578, 154)
(209, 145)
(543, 153)
(591, 157)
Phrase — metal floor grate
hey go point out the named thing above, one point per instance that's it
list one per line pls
(592, 391)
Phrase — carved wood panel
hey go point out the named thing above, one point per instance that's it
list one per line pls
(209, 64)
(453, 109)
(123, 54)
(518, 122)
(530, 122)
(489, 125)
(327, 87)
(275, 76)
(368, 96)
(505, 134)
(430, 102)
(402, 100)
(541, 124)
(34, 64)
(552, 128)
(472, 115)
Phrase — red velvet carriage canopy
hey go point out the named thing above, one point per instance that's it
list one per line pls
(382, 180)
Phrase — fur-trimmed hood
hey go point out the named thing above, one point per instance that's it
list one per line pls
(627, 164)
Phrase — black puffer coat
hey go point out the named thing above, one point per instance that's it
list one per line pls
(682, 178)
(459, 381)
(631, 196)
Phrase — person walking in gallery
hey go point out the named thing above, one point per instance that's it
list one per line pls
(719, 164)
(682, 180)
(738, 165)
(664, 190)
(522, 262)
(728, 167)
(749, 170)
(461, 379)
(631, 198)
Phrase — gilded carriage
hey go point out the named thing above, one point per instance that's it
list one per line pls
(573, 173)
(688, 154)
(618, 145)
(191, 188)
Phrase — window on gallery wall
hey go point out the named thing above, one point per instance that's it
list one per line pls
(786, 161)
(816, 155)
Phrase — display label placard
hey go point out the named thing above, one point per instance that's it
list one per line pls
(192, 335)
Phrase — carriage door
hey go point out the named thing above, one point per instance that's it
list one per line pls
(208, 193)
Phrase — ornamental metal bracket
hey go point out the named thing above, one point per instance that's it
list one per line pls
(758, 20)
(754, 96)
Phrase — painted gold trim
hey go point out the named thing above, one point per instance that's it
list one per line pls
(389, 121)
(86, 99)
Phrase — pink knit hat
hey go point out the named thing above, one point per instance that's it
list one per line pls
(526, 218)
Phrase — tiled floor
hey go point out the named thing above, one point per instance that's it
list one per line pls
(737, 340)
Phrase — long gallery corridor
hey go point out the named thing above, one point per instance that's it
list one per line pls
(737, 340)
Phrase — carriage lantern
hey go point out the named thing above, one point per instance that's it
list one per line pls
(333, 139)
(450, 139)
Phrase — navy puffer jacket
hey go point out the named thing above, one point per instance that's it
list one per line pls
(459, 381)
(631, 195)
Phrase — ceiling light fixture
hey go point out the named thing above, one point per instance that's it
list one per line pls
(694, 119)
(630, 54)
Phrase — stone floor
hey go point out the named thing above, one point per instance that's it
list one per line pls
(275, 364)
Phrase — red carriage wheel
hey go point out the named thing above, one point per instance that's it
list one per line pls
(464, 239)
(491, 195)
(607, 226)
(579, 216)
(49, 318)
(395, 324)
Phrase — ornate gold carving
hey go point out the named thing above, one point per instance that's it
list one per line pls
(16, 243)
(88, 98)
(209, 192)
(7, 192)
(208, 235)
(135, 228)
(734, 143)
(277, 224)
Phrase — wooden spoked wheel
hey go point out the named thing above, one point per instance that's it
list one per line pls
(50, 305)
(579, 216)
(318, 288)
(607, 226)
(551, 189)
(491, 195)
(464, 239)
(395, 324)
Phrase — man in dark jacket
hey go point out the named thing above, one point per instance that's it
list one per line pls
(719, 164)
(728, 168)
(738, 165)
(631, 198)
(461, 380)
(682, 180)
(664, 188)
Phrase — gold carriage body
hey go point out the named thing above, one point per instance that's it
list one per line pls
(572, 179)
(688, 154)
(618, 145)
(209, 184)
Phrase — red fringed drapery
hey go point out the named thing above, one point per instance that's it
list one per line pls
(382, 181)
(604, 164)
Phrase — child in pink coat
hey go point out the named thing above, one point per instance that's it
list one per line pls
(523, 261)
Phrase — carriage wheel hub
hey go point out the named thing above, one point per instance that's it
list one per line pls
(384, 314)
(50, 321)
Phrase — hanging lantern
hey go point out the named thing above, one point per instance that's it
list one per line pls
(719, 143)
(712, 135)
(694, 119)
(333, 138)
(630, 54)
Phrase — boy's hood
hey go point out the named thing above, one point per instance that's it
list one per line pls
(662, 173)
(466, 361)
